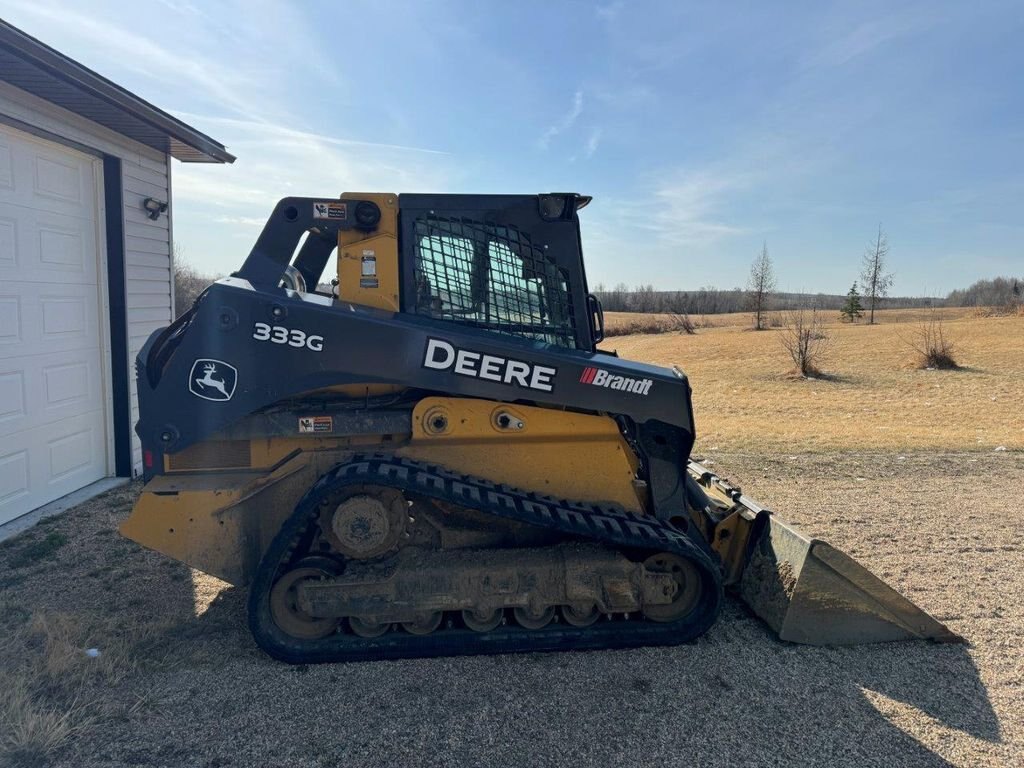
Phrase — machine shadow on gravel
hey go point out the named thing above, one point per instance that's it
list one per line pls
(766, 701)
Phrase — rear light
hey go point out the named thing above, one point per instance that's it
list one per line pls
(147, 459)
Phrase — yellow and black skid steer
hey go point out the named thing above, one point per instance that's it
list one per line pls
(431, 455)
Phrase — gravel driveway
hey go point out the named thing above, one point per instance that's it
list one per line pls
(194, 691)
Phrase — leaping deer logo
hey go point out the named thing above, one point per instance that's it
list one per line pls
(210, 386)
(208, 381)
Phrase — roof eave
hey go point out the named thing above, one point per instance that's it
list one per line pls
(184, 142)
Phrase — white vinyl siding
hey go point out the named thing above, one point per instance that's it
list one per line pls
(144, 173)
(147, 267)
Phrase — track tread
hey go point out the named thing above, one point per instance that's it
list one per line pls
(600, 522)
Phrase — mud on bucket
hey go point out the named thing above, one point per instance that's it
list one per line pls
(810, 592)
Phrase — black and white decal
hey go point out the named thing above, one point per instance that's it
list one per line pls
(330, 210)
(441, 355)
(212, 380)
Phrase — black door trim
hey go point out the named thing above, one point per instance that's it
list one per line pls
(113, 198)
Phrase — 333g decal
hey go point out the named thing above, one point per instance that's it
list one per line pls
(293, 337)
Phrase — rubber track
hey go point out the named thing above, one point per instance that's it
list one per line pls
(602, 523)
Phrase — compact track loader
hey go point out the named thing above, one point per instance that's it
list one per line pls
(434, 457)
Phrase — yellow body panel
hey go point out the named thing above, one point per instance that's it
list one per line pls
(368, 264)
(560, 453)
(221, 522)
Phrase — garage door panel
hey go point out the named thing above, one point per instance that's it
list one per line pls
(50, 462)
(13, 399)
(48, 318)
(11, 320)
(40, 175)
(46, 248)
(6, 164)
(43, 389)
(53, 420)
(14, 484)
(8, 242)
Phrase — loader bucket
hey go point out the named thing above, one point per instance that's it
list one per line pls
(809, 592)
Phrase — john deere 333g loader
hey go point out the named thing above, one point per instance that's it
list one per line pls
(439, 459)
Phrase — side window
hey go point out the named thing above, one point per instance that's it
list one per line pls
(490, 277)
(509, 294)
(444, 280)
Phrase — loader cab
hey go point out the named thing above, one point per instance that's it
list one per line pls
(505, 264)
(500, 263)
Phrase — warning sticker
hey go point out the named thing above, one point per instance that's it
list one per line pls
(369, 265)
(328, 210)
(315, 424)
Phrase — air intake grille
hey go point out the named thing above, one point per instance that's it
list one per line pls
(491, 277)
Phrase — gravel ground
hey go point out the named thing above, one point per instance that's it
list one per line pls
(943, 529)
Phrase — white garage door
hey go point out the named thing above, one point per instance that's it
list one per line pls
(53, 420)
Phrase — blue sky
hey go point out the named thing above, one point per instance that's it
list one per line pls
(701, 129)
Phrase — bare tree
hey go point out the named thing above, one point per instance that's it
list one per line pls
(760, 287)
(875, 280)
(643, 299)
(804, 338)
(188, 283)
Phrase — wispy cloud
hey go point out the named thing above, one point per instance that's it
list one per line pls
(276, 161)
(610, 11)
(565, 123)
(242, 221)
(849, 42)
(286, 134)
(593, 141)
(689, 207)
(685, 214)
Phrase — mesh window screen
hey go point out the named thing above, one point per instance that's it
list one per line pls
(490, 277)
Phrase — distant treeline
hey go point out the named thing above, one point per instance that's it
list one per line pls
(1002, 291)
(715, 301)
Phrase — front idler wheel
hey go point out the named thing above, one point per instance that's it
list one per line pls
(687, 587)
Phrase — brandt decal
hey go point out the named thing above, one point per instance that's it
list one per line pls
(599, 377)
(212, 380)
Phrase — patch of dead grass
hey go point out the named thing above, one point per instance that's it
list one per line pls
(873, 399)
(65, 587)
(52, 691)
(627, 323)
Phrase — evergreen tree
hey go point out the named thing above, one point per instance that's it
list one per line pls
(852, 310)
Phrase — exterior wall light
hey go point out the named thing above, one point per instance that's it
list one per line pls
(154, 207)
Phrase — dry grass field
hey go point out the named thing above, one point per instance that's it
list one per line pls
(872, 398)
(897, 466)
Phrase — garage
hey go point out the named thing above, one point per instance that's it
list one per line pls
(86, 243)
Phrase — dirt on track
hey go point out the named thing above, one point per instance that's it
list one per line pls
(181, 684)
